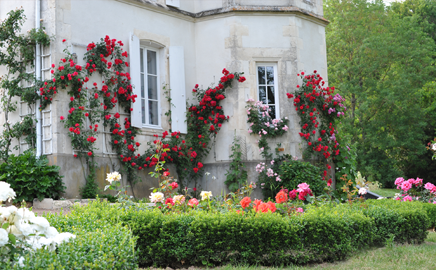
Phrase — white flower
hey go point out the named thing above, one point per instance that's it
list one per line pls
(6, 192)
(51, 232)
(433, 147)
(41, 223)
(205, 195)
(4, 238)
(25, 228)
(157, 197)
(21, 261)
(114, 176)
(206, 173)
(363, 191)
(64, 237)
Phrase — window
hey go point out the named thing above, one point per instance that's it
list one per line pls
(149, 96)
(267, 87)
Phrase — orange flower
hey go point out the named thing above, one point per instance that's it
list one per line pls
(281, 197)
(263, 207)
(256, 204)
(272, 206)
(245, 202)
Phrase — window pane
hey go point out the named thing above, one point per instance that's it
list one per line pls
(142, 86)
(262, 94)
(152, 87)
(270, 75)
(151, 63)
(142, 59)
(261, 74)
(272, 113)
(271, 97)
(143, 110)
(153, 112)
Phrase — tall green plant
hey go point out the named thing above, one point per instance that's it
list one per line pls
(17, 53)
(236, 176)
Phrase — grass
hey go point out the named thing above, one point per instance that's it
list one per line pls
(397, 257)
(386, 192)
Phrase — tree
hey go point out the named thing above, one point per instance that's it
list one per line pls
(380, 61)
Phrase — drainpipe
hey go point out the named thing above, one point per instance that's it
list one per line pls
(38, 77)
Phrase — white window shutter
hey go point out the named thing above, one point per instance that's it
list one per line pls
(178, 92)
(173, 3)
(135, 74)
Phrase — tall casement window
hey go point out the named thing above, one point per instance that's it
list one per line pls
(149, 70)
(267, 87)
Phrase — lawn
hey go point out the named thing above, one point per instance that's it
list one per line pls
(386, 192)
(395, 257)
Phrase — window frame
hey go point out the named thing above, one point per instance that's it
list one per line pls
(276, 89)
(145, 82)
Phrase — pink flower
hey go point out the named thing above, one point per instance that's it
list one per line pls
(303, 187)
(62, 118)
(174, 185)
(418, 181)
(429, 186)
(193, 202)
(399, 181)
(407, 198)
(406, 185)
(300, 210)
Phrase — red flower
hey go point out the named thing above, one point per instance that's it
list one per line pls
(75, 155)
(169, 201)
(64, 40)
(281, 197)
(62, 118)
(133, 164)
(194, 189)
(195, 170)
(166, 173)
(89, 153)
(173, 185)
(212, 128)
(115, 142)
(200, 165)
(193, 154)
(117, 115)
(86, 114)
(245, 202)
(96, 96)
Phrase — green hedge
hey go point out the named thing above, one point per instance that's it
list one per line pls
(431, 213)
(99, 243)
(113, 238)
(407, 221)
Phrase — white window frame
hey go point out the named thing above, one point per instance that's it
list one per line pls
(147, 109)
(276, 89)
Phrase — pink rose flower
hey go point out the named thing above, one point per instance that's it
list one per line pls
(193, 202)
(303, 187)
(300, 210)
(429, 186)
(406, 185)
(418, 182)
(399, 181)
(407, 198)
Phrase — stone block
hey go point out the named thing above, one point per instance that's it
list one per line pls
(44, 204)
(65, 204)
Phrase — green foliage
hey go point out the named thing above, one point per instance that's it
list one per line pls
(236, 176)
(323, 233)
(407, 221)
(31, 177)
(98, 245)
(430, 208)
(380, 62)
(292, 173)
(17, 53)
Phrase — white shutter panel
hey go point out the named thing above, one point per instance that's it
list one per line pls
(178, 92)
(135, 74)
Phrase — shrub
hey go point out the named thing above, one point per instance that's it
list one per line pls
(407, 221)
(431, 213)
(294, 172)
(109, 247)
(263, 238)
(32, 177)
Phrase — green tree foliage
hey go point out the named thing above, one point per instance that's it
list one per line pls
(380, 61)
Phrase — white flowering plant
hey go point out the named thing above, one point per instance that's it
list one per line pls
(114, 179)
(21, 231)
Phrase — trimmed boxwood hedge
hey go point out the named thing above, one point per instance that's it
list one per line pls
(113, 238)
